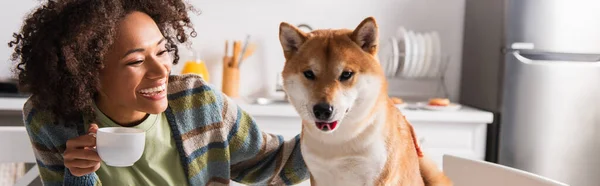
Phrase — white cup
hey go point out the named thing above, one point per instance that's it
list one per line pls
(120, 146)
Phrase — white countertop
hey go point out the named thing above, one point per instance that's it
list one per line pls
(464, 115)
(12, 104)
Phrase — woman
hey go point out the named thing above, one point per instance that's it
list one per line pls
(107, 63)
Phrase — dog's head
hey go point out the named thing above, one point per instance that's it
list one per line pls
(332, 77)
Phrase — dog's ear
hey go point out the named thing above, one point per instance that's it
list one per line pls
(291, 39)
(366, 35)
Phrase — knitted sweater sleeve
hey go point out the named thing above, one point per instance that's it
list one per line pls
(259, 158)
(48, 140)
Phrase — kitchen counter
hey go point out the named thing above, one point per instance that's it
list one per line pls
(464, 115)
(11, 104)
(461, 132)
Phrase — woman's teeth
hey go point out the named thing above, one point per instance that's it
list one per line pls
(153, 90)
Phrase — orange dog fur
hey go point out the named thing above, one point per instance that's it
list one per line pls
(352, 134)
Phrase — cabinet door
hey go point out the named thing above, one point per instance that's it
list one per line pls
(436, 138)
(461, 139)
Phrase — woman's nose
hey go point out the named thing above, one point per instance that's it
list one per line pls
(157, 69)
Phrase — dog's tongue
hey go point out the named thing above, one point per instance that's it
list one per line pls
(326, 126)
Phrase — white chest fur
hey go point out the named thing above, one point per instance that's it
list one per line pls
(353, 163)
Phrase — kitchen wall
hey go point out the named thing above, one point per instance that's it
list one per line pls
(234, 19)
(11, 14)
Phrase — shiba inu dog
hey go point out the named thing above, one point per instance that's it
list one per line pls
(352, 134)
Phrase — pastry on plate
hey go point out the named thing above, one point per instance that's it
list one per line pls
(439, 102)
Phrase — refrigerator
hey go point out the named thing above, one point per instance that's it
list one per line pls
(536, 65)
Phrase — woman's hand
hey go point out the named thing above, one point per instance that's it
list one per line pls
(80, 156)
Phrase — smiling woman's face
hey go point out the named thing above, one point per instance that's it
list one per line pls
(136, 69)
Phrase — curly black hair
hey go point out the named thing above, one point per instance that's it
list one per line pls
(61, 46)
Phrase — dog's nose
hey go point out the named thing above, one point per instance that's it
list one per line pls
(322, 111)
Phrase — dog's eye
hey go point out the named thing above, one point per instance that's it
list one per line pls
(346, 75)
(309, 74)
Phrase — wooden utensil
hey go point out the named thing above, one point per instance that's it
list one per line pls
(248, 53)
(237, 49)
(226, 61)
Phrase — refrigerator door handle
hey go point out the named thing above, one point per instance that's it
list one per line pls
(522, 46)
(526, 60)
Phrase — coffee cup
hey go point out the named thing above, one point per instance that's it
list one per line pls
(120, 146)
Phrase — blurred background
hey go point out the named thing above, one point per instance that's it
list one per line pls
(522, 76)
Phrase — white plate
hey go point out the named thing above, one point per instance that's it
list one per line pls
(451, 107)
(408, 50)
(402, 49)
(420, 68)
(390, 53)
(420, 56)
(437, 54)
(428, 55)
(414, 63)
(412, 56)
(395, 58)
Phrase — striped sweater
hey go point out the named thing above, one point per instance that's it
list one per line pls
(217, 141)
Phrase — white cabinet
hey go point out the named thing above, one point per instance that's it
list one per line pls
(436, 138)
(461, 132)
(461, 139)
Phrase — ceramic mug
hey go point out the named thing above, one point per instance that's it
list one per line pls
(120, 146)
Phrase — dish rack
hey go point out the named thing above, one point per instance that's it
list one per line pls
(424, 81)
(414, 61)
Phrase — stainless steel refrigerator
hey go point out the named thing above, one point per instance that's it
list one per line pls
(536, 65)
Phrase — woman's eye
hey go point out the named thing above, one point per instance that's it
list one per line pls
(162, 52)
(135, 62)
